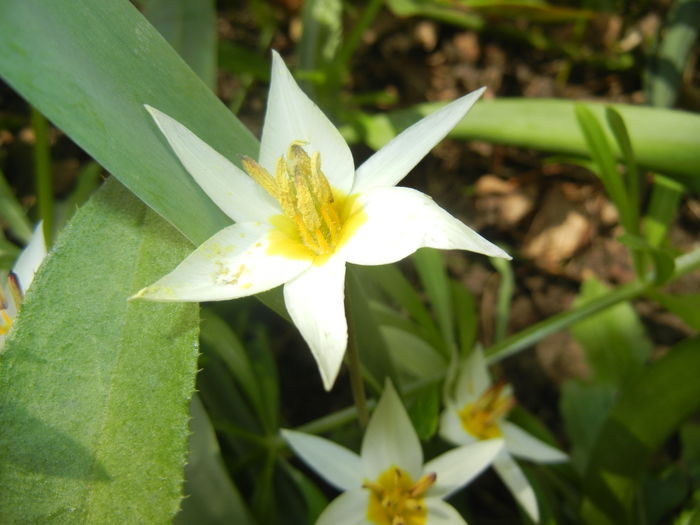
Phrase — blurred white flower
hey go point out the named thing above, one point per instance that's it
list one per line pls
(19, 279)
(388, 483)
(302, 211)
(478, 411)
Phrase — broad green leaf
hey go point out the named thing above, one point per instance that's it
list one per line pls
(424, 411)
(90, 68)
(614, 340)
(412, 355)
(684, 306)
(211, 498)
(649, 410)
(190, 27)
(94, 388)
(584, 408)
(663, 140)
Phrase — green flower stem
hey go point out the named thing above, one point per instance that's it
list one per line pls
(353, 40)
(42, 173)
(355, 368)
(684, 264)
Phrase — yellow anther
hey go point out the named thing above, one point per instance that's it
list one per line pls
(481, 417)
(395, 500)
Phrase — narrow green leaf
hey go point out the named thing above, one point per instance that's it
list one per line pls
(364, 327)
(390, 279)
(666, 69)
(665, 197)
(649, 409)
(224, 341)
(465, 316)
(602, 154)
(505, 295)
(425, 411)
(190, 27)
(90, 68)
(11, 212)
(211, 498)
(433, 276)
(619, 130)
(94, 388)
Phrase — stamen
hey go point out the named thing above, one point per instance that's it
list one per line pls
(481, 417)
(395, 499)
(305, 196)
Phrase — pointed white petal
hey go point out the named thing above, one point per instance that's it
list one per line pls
(393, 162)
(473, 378)
(441, 513)
(517, 483)
(228, 186)
(350, 508)
(524, 445)
(30, 259)
(315, 302)
(460, 465)
(451, 428)
(390, 439)
(401, 220)
(292, 116)
(232, 263)
(339, 466)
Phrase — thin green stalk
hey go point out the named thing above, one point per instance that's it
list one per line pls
(356, 382)
(353, 40)
(505, 295)
(531, 335)
(42, 173)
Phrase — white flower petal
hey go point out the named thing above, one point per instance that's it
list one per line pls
(390, 439)
(457, 467)
(232, 263)
(238, 196)
(441, 513)
(350, 508)
(393, 162)
(451, 428)
(401, 220)
(30, 259)
(291, 116)
(339, 466)
(315, 302)
(524, 445)
(517, 483)
(473, 378)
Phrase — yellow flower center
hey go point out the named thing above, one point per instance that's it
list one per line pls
(481, 417)
(316, 219)
(394, 499)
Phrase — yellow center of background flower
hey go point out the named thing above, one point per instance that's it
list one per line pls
(5, 322)
(481, 417)
(394, 499)
(316, 219)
